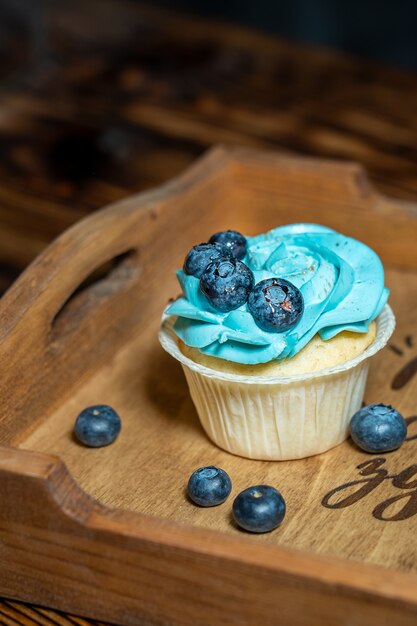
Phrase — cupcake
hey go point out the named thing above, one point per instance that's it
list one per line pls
(274, 333)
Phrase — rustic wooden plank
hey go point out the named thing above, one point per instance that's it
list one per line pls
(38, 616)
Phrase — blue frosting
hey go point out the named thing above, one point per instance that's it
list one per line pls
(341, 279)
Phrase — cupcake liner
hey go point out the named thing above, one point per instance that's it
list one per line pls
(278, 418)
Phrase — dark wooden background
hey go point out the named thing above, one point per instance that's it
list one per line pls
(103, 98)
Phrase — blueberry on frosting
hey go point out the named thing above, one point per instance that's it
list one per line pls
(234, 241)
(201, 255)
(226, 284)
(275, 304)
(341, 281)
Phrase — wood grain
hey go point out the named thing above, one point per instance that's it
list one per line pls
(12, 613)
(154, 539)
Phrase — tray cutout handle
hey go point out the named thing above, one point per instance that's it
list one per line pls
(104, 283)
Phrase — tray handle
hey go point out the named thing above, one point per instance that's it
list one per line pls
(104, 283)
(82, 298)
(70, 311)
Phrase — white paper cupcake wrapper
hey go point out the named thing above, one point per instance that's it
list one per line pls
(278, 418)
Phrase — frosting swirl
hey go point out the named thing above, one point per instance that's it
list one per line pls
(341, 279)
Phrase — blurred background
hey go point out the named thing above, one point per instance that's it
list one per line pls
(376, 29)
(103, 98)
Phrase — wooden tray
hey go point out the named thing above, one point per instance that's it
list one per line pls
(108, 532)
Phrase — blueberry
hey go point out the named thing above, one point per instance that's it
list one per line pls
(259, 509)
(209, 486)
(276, 305)
(226, 284)
(234, 241)
(378, 428)
(201, 255)
(97, 426)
